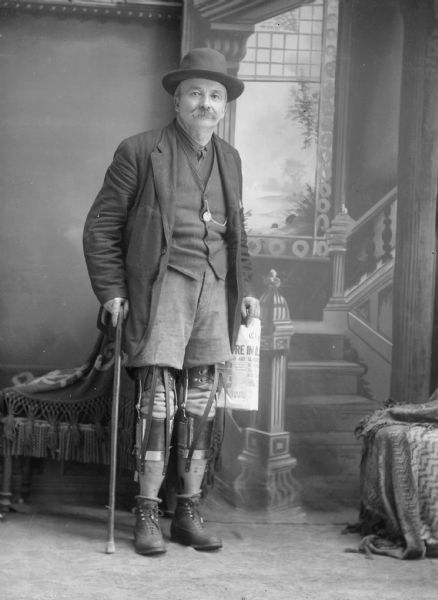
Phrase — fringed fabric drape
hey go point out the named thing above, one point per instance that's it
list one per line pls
(66, 414)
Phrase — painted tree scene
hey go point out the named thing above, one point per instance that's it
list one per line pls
(276, 137)
(277, 122)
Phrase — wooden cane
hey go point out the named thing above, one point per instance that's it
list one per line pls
(110, 546)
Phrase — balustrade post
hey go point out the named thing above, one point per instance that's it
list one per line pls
(266, 479)
(337, 238)
(387, 235)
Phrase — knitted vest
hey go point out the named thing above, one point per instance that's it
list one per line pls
(196, 242)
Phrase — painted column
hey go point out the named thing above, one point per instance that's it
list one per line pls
(266, 479)
(414, 273)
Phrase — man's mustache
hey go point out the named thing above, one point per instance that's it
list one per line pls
(204, 112)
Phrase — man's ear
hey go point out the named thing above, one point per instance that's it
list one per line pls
(176, 103)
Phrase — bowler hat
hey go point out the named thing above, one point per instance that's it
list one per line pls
(204, 63)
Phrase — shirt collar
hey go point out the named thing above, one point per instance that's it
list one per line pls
(190, 144)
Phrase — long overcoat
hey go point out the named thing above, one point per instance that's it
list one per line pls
(128, 231)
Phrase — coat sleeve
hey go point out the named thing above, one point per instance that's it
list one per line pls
(105, 224)
(245, 259)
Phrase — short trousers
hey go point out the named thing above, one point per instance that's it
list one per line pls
(191, 324)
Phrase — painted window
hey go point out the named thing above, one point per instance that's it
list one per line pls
(284, 130)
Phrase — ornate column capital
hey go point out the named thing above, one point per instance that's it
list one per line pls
(222, 35)
(231, 43)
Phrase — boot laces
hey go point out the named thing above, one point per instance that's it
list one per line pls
(191, 510)
(149, 517)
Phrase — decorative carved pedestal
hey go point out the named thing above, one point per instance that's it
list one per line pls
(266, 479)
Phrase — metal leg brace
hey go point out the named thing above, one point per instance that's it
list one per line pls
(153, 433)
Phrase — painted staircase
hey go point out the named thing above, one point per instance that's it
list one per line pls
(325, 400)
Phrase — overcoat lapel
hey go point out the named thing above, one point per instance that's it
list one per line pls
(164, 170)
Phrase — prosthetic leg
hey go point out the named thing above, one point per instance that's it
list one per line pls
(194, 430)
(155, 389)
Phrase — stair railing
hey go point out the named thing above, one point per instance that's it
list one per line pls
(371, 241)
(359, 248)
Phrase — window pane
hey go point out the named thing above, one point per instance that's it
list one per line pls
(306, 27)
(264, 40)
(316, 42)
(315, 71)
(262, 69)
(277, 56)
(316, 58)
(277, 70)
(250, 55)
(306, 12)
(292, 42)
(247, 69)
(304, 58)
(305, 42)
(291, 57)
(317, 27)
(277, 40)
(291, 70)
(318, 13)
(263, 55)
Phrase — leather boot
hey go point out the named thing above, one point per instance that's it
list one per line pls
(187, 526)
(148, 538)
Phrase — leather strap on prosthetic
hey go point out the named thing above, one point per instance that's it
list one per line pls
(155, 393)
(196, 414)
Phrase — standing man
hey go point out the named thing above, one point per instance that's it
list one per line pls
(165, 244)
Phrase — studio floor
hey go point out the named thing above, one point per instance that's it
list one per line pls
(57, 552)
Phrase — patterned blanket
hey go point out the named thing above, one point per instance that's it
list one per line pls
(399, 481)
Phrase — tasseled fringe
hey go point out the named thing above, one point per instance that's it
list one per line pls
(83, 443)
(9, 427)
(65, 430)
(52, 438)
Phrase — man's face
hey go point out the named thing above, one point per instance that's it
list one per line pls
(200, 103)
